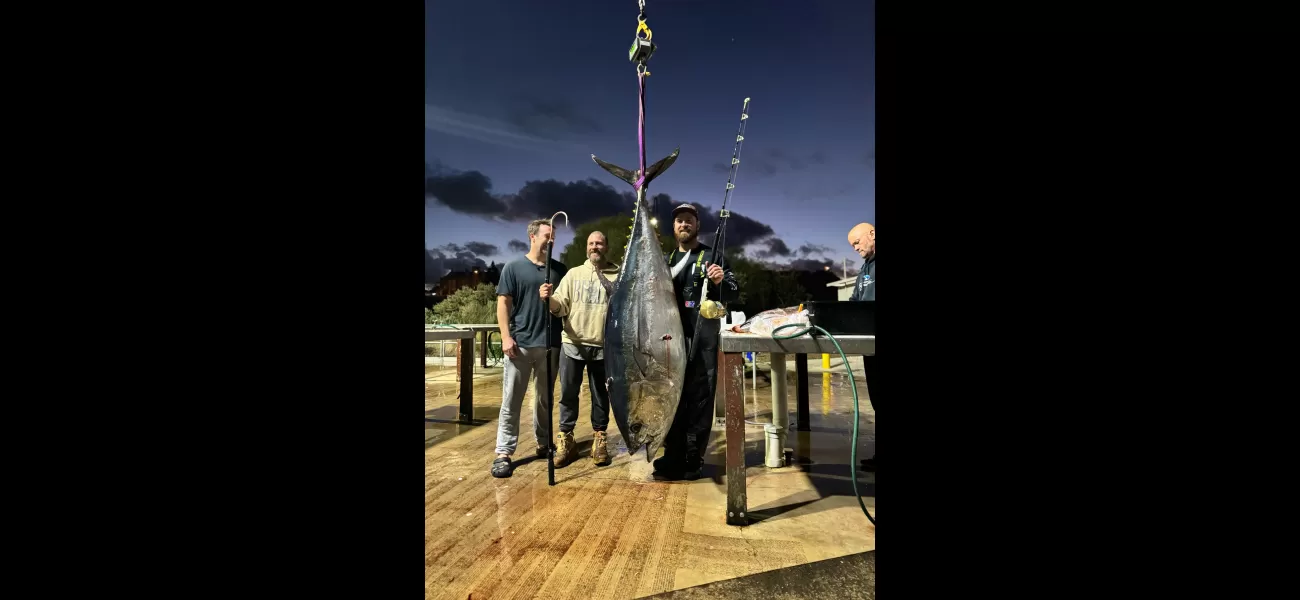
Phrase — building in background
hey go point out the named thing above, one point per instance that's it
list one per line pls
(845, 287)
(455, 280)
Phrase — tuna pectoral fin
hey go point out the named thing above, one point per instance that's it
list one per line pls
(642, 360)
(630, 177)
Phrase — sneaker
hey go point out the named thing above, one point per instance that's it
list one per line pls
(501, 467)
(565, 448)
(541, 449)
(600, 448)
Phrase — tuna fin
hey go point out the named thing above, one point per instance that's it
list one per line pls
(658, 168)
(616, 170)
(641, 358)
(630, 177)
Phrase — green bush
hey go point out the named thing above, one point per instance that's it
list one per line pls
(476, 305)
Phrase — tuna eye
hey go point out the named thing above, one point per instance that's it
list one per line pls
(636, 428)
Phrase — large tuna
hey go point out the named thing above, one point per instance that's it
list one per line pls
(645, 357)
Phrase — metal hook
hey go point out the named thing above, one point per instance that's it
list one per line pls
(566, 219)
(552, 223)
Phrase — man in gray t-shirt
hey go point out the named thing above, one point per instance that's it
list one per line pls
(522, 316)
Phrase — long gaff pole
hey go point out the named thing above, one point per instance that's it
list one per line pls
(550, 384)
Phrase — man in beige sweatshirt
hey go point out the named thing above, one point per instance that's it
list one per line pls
(581, 299)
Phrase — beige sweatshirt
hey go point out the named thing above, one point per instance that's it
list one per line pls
(583, 302)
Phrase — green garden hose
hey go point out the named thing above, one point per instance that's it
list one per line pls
(853, 453)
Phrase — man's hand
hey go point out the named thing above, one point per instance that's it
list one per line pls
(545, 291)
(714, 273)
(508, 347)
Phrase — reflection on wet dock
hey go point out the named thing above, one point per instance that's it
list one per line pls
(617, 532)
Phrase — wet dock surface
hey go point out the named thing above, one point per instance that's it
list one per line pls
(617, 532)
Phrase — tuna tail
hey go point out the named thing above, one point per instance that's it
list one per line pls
(630, 177)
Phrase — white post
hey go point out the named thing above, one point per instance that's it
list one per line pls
(776, 431)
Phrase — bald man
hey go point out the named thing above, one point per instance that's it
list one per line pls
(863, 239)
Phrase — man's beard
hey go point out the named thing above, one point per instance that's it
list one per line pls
(683, 236)
(596, 257)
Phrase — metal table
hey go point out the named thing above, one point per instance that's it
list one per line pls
(731, 365)
(465, 367)
(484, 331)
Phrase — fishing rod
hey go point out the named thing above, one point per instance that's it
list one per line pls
(550, 384)
(714, 309)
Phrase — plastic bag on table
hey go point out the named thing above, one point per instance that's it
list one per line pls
(766, 322)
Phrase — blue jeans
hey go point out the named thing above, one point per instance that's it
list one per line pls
(514, 385)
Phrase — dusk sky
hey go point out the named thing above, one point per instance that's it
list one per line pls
(518, 95)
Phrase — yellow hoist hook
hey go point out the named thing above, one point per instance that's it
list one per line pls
(642, 47)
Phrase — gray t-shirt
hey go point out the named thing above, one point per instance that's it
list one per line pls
(521, 279)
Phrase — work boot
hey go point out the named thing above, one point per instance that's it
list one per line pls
(668, 464)
(691, 469)
(565, 448)
(600, 449)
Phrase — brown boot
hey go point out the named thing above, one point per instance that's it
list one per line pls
(565, 448)
(600, 449)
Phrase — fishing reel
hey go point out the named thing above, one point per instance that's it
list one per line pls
(712, 309)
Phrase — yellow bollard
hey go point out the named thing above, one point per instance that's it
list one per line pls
(826, 394)
(826, 361)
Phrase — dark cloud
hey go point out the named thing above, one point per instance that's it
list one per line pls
(481, 248)
(583, 201)
(469, 192)
(551, 118)
(517, 246)
(466, 192)
(741, 230)
(807, 249)
(808, 264)
(775, 247)
(437, 263)
(440, 261)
